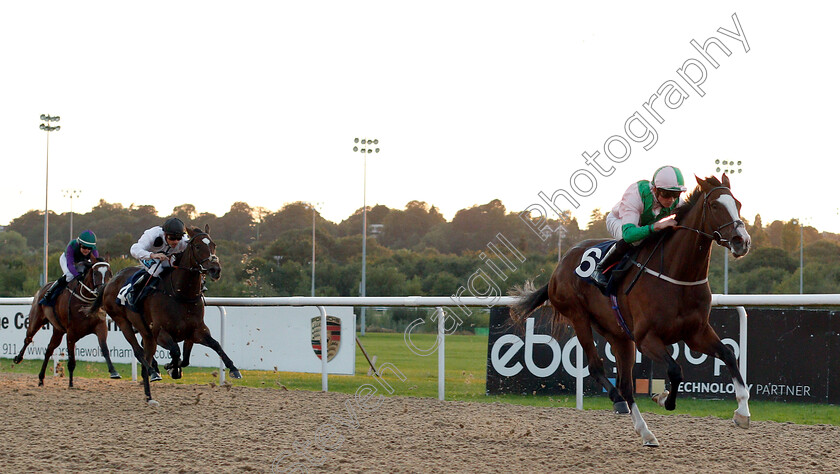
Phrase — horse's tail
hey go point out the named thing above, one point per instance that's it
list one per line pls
(530, 299)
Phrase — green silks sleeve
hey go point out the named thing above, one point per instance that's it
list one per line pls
(633, 233)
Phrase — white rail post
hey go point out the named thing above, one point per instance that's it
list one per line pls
(579, 376)
(441, 355)
(133, 367)
(324, 349)
(742, 344)
(222, 317)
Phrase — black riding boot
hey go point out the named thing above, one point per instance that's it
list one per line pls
(55, 290)
(612, 257)
(133, 295)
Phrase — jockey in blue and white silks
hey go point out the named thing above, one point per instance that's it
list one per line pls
(154, 250)
(157, 245)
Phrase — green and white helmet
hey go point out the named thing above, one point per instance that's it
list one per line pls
(88, 239)
(668, 178)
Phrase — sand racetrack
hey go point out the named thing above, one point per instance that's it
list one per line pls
(105, 426)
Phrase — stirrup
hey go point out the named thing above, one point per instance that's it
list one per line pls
(599, 278)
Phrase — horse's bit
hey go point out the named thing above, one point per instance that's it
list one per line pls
(200, 265)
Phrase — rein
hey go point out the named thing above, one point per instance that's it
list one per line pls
(94, 293)
(199, 266)
(195, 266)
(715, 236)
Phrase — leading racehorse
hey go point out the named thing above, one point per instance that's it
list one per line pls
(73, 314)
(670, 302)
(173, 312)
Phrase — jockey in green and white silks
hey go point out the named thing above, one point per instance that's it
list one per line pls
(642, 210)
(632, 218)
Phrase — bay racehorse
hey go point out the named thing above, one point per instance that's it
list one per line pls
(73, 315)
(173, 311)
(670, 302)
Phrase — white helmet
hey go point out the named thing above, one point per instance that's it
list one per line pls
(668, 178)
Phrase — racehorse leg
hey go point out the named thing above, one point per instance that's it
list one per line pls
(71, 357)
(655, 349)
(101, 332)
(625, 359)
(208, 341)
(708, 342)
(128, 332)
(149, 349)
(165, 340)
(583, 330)
(55, 340)
(36, 321)
(188, 345)
(668, 399)
(147, 389)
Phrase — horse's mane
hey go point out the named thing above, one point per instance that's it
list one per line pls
(693, 198)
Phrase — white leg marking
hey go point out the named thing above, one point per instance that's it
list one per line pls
(641, 427)
(741, 418)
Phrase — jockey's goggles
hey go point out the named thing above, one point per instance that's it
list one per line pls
(175, 237)
(86, 247)
(669, 194)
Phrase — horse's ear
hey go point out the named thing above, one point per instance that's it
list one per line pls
(206, 228)
(725, 180)
(704, 185)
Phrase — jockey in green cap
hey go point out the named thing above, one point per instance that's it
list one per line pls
(72, 262)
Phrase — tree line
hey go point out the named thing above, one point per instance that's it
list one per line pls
(410, 251)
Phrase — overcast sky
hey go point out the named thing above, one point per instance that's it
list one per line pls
(208, 103)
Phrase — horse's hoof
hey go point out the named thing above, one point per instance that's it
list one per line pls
(18, 359)
(40, 383)
(115, 375)
(741, 421)
(659, 398)
(174, 373)
(153, 403)
(651, 441)
(234, 374)
(155, 377)
(621, 408)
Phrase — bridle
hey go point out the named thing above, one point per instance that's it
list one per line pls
(198, 266)
(92, 292)
(715, 235)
